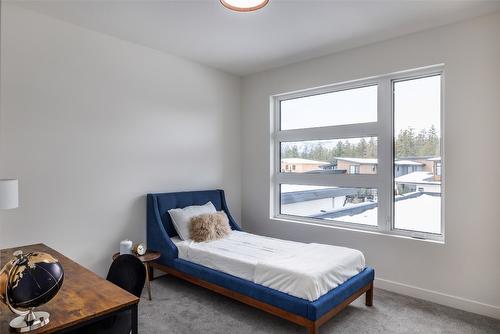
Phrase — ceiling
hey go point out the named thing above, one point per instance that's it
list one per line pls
(283, 32)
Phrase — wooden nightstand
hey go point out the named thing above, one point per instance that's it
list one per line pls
(146, 259)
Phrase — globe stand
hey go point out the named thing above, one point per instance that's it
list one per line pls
(31, 321)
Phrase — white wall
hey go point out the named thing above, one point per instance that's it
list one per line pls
(90, 124)
(465, 271)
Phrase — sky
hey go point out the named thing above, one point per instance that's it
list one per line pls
(416, 104)
(343, 107)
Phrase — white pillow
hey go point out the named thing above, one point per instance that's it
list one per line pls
(182, 217)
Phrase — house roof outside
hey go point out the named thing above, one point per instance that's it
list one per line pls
(303, 161)
(417, 178)
(370, 161)
(421, 158)
(408, 163)
(324, 170)
(361, 161)
(315, 194)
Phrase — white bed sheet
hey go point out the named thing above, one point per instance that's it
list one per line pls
(303, 270)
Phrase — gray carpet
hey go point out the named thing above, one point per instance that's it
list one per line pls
(179, 307)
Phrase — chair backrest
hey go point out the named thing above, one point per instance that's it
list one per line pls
(166, 201)
(129, 273)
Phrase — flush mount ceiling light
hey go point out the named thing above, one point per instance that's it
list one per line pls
(244, 5)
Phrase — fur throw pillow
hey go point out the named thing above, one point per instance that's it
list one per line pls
(209, 226)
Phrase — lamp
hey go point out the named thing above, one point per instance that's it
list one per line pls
(244, 5)
(9, 193)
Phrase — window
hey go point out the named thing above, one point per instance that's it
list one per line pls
(417, 138)
(348, 106)
(365, 155)
(354, 169)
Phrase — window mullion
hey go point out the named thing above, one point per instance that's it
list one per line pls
(275, 157)
(332, 180)
(385, 153)
(329, 132)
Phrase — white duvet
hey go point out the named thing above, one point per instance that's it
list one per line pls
(302, 270)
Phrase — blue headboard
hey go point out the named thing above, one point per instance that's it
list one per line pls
(159, 224)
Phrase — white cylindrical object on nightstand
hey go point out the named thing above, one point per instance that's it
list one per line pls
(126, 247)
(9, 193)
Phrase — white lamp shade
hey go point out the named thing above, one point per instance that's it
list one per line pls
(9, 193)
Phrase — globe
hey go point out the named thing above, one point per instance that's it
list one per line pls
(28, 281)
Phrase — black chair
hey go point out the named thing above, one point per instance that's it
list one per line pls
(128, 272)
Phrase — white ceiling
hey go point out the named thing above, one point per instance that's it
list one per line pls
(284, 32)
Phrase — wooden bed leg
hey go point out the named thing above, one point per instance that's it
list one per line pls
(369, 296)
(313, 328)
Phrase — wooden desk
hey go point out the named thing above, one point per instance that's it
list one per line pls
(84, 297)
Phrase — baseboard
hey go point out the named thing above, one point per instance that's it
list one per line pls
(439, 298)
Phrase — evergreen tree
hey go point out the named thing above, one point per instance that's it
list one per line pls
(420, 143)
(339, 149)
(433, 142)
(426, 143)
(290, 152)
(361, 149)
(371, 151)
(407, 144)
(351, 149)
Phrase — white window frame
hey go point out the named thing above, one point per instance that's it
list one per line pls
(383, 181)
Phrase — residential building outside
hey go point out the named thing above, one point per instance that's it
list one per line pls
(299, 165)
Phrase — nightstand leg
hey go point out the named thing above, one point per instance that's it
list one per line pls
(151, 273)
(148, 280)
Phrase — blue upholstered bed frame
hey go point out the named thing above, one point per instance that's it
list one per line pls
(300, 311)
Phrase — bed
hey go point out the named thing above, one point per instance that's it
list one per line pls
(308, 311)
